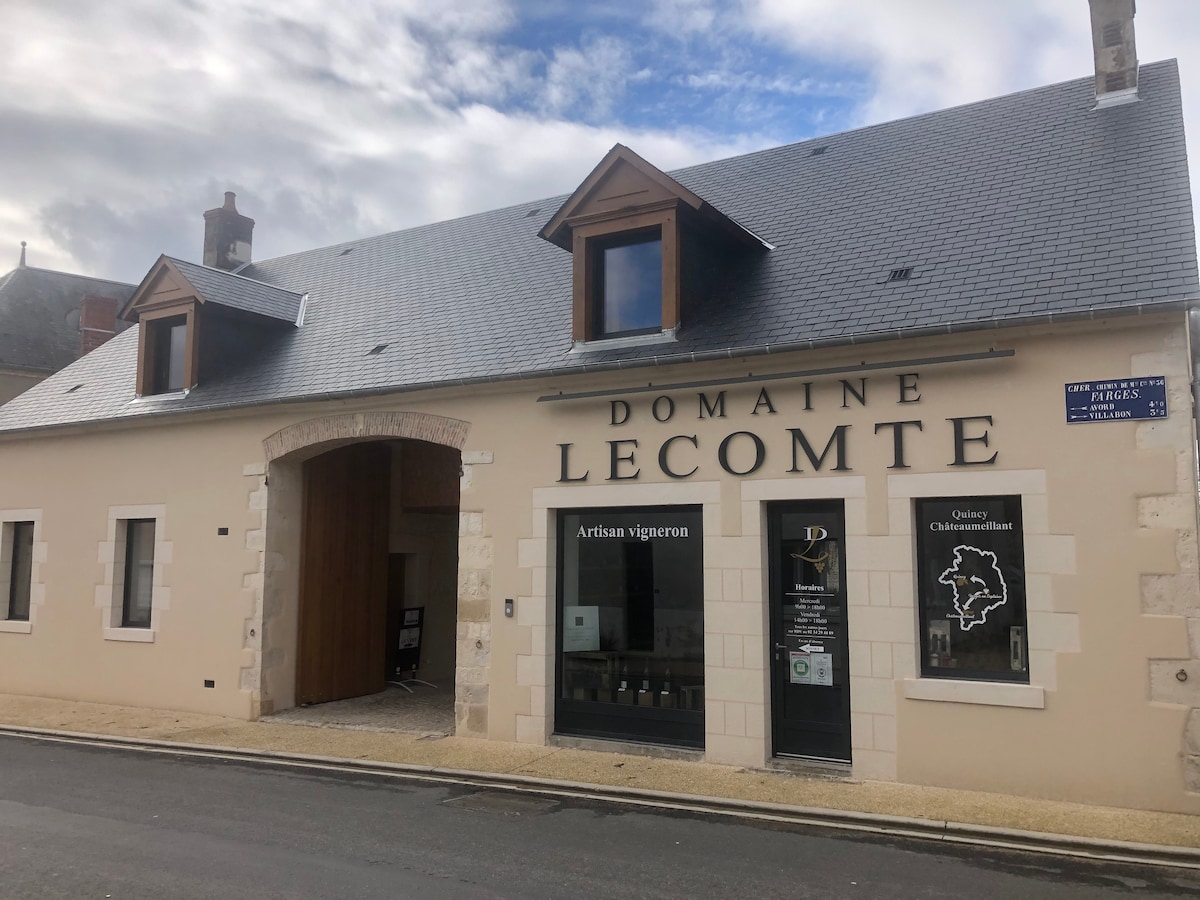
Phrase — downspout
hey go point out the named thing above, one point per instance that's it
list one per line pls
(1193, 333)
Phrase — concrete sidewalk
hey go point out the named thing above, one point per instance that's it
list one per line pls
(612, 770)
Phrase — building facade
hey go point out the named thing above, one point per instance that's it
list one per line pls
(49, 319)
(875, 453)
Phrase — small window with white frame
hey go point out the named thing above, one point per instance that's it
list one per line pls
(134, 594)
(137, 583)
(971, 588)
(17, 566)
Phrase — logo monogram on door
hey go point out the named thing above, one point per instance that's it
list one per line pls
(814, 534)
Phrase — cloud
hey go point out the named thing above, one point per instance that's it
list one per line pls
(922, 55)
(589, 79)
(386, 115)
(929, 54)
(686, 17)
(124, 121)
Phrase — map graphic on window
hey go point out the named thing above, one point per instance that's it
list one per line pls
(978, 585)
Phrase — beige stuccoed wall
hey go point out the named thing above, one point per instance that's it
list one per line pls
(78, 485)
(1110, 524)
(1109, 540)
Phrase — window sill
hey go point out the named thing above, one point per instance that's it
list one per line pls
(986, 693)
(168, 395)
(666, 336)
(133, 635)
(16, 626)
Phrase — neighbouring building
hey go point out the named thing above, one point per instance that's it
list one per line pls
(49, 319)
(875, 451)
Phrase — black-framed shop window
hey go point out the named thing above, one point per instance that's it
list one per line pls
(630, 633)
(971, 587)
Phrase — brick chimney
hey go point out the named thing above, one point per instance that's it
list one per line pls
(227, 235)
(1115, 52)
(97, 321)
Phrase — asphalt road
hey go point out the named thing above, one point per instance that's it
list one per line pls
(83, 822)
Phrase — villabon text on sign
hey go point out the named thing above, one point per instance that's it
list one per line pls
(1117, 400)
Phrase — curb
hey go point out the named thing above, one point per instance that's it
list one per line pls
(877, 823)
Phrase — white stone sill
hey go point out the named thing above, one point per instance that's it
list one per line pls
(16, 627)
(133, 635)
(170, 395)
(666, 336)
(986, 693)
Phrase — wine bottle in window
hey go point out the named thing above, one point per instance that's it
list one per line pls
(624, 694)
(644, 697)
(666, 699)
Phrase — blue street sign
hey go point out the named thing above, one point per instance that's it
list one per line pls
(1120, 399)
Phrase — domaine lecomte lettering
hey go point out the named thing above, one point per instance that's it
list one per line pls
(641, 532)
(744, 452)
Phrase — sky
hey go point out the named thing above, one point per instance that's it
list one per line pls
(122, 121)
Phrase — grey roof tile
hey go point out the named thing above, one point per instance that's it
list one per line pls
(1028, 204)
(239, 292)
(39, 316)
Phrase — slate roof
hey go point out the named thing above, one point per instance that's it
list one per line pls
(1008, 210)
(239, 292)
(39, 316)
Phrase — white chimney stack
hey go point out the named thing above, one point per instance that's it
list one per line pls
(1116, 54)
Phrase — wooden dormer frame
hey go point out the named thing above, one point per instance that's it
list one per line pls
(587, 236)
(625, 194)
(150, 334)
(164, 294)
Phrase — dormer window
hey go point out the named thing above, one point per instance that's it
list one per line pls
(628, 285)
(170, 353)
(627, 274)
(178, 300)
(639, 240)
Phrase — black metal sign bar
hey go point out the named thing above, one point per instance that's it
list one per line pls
(806, 373)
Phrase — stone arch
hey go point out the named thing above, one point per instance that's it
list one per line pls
(275, 619)
(364, 426)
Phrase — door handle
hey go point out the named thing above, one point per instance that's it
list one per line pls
(781, 646)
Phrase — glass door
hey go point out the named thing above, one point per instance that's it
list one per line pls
(810, 672)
